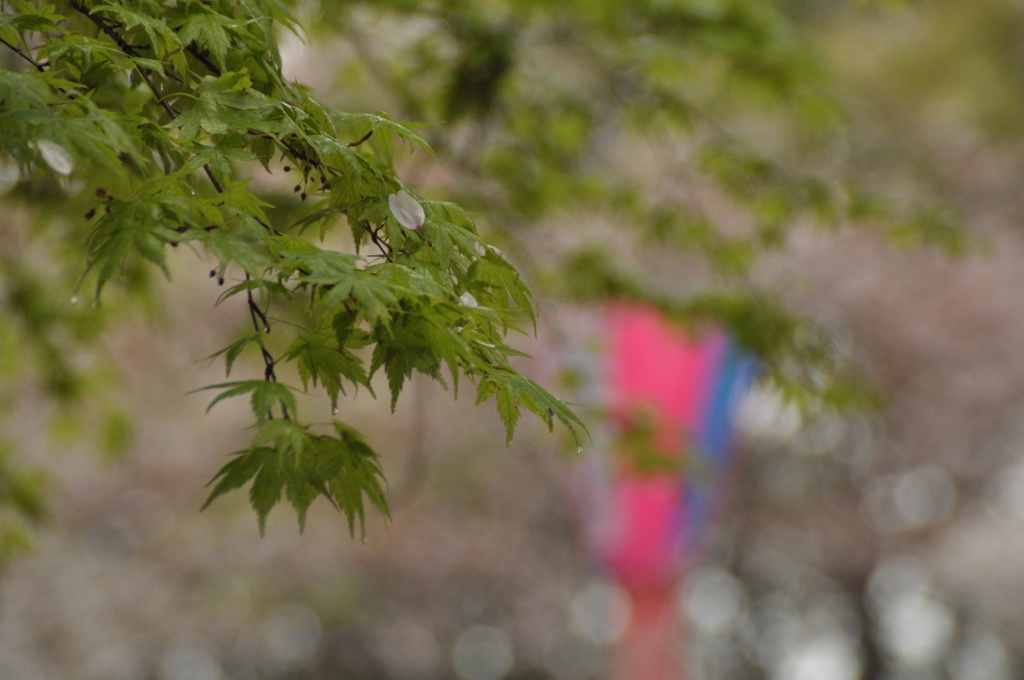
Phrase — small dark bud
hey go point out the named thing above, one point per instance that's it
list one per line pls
(296, 189)
(89, 215)
(107, 209)
(213, 272)
(220, 280)
(101, 193)
(287, 168)
(303, 195)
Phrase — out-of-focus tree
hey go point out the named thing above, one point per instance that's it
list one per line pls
(694, 133)
(697, 135)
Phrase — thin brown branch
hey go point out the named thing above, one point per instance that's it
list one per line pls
(24, 56)
(361, 139)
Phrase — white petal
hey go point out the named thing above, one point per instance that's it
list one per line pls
(467, 300)
(56, 156)
(9, 175)
(406, 210)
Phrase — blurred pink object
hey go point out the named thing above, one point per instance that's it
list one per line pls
(679, 393)
(656, 374)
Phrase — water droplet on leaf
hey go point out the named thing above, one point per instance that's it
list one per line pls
(74, 299)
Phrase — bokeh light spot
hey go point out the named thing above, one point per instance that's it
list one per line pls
(600, 612)
(483, 653)
(764, 414)
(569, 658)
(917, 498)
(915, 625)
(833, 656)
(291, 634)
(185, 661)
(714, 601)
(408, 650)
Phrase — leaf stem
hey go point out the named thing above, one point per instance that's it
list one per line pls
(269, 362)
